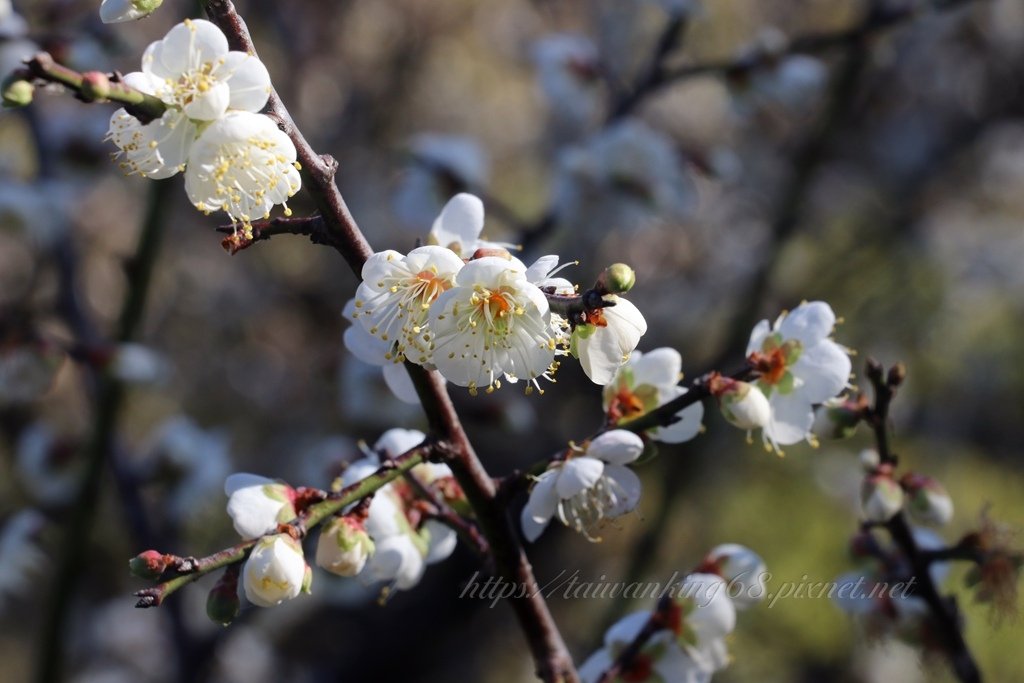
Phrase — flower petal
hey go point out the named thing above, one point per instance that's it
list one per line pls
(628, 488)
(249, 81)
(659, 367)
(461, 222)
(792, 418)
(808, 323)
(577, 475)
(617, 447)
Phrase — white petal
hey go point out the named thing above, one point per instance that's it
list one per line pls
(395, 442)
(443, 540)
(578, 474)
(209, 105)
(792, 418)
(628, 485)
(398, 381)
(538, 271)
(824, 370)
(543, 500)
(241, 480)
(757, 336)
(595, 666)
(617, 446)
(249, 81)
(625, 630)
(366, 347)
(658, 367)
(686, 428)
(714, 615)
(461, 222)
(532, 529)
(808, 323)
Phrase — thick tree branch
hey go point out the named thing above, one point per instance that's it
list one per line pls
(550, 654)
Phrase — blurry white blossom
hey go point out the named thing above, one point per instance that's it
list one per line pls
(569, 74)
(627, 177)
(800, 366)
(21, 558)
(48, 467)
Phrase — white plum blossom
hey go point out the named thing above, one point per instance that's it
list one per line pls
(706, 616)
(743, 570)
(590, 486)
(660, 660)
(244, 165)
(394, 298)
(742, 403)
(117, 11)
(881, 497)
(646, 381)
(192, 69)
(275, 571)
(927, 501)
(257, 504)
(800, 366)
(194, 73)
(441, 165)
(493, 322)
(608, 337)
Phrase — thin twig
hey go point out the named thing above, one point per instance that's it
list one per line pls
(944, 610)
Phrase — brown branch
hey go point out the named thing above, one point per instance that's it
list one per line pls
(442, 512)
(944, 610)
(313, 227)
(550, 654)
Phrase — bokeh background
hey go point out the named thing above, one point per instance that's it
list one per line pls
(885, 175)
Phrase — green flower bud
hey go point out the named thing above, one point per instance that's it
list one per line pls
(17, 92)
(617, 278)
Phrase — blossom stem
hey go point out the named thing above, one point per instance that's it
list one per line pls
(945, 612)
(146, 108)
(442, 512)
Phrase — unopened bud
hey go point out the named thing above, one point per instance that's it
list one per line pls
(897, 374)
(744, 405)
(617, 278)
(880, 496)
(492, 251)
(17, 92)
(223, 604)
(95, 86)
(149, 565)
(837, 419)
(928, 503)
(344, 546)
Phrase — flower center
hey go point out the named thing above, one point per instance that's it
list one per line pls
(585, 511)
(625, 405)
(596, 318)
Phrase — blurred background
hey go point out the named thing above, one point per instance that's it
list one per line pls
(884, 175)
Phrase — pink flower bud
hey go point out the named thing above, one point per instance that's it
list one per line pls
(149, 564)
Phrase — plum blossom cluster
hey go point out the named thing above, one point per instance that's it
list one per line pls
(233, 158)
(387, 539)
(684, 638)
(469, 309)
